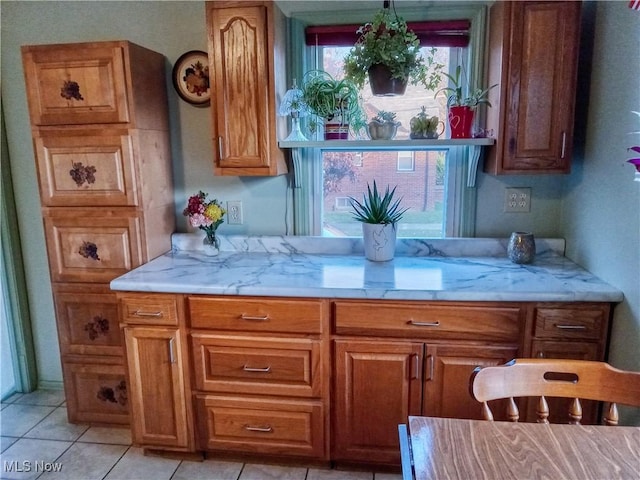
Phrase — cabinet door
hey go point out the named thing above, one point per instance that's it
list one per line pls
(446, 379)
(157, 388)
(244, 118)
(377, 386)
(538, 84)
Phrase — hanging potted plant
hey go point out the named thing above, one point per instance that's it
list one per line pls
(383, 126)
(337, 102)
(461, 107)
(379, 215)
(387, 53)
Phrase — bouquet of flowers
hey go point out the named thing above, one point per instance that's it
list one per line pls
(206, 215)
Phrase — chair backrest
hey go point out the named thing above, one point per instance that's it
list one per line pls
(575, 379)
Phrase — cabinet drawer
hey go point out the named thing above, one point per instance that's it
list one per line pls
(429, 321)
(96, 393)
(259, 365)
(588, 322)
(256, 314)
(87, 317)
(92, 245)
(75, 84)
(149, 309)
(85, 168)
(282, 427)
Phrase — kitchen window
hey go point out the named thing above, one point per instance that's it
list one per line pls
(431, 182)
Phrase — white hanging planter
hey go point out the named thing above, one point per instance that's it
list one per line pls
(379, 241)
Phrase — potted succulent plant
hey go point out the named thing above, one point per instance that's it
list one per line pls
(379, 215)
(383, 126)
(388, 54)
(337, 101)
(424, 126)
(461, 107)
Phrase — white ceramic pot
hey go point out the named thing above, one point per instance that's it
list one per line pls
(379, 241)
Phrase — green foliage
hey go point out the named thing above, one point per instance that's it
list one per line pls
(456, 98)
(422, 124)
(388, 41)
(328, 98)
(376, 208)
(384, 117)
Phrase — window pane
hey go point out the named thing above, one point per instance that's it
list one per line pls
(419, 176)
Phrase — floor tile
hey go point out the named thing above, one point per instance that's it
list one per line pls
(111, 435)
(49, 398)
(6, 442)
(57, 427)
(86, 461)
(12, 398)
(19, 419)
(134, 465)
(207, 470)
(253, 471)
(321, 474)
(27, 457)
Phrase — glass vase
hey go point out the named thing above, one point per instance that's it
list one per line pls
(211, 245)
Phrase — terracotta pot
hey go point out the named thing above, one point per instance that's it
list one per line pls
(460, 121)
(382, 84)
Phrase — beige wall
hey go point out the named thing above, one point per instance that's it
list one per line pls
(561, 205)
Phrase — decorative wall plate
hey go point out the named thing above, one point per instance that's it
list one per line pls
(191, 78)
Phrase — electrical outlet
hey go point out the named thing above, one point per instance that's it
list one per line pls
(517, 200)
(234, 212)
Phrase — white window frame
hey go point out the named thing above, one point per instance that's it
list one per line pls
(403, 157)
(460, 205)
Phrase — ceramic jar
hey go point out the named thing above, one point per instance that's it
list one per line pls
(379, 241)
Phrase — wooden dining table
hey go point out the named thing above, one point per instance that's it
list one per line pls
(448, 448)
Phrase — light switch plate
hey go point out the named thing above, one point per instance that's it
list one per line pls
(517, 200)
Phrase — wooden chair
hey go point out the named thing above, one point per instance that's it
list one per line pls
(574, 379)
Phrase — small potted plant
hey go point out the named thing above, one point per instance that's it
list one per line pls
(383, 126)
(461, 107)
(424, 126)
(387, 53)
(337, 101)
(379, 215)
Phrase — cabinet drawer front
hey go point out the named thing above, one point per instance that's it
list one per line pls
(91, 245)
(149, 309)
(262, 366)
(67, 86)
(256, 314)
(585, 323)
(87, 322)
(430, 321)
(85, 169)
(284, 427)
(96, 393)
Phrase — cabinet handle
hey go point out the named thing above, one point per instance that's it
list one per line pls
(266, 429)
(139, 313)
(261, 318)
(564, 143)
(254, 369)
(431, 367)
(570, 327)
(172, 358)
(424, 324)
(220, 148)
(415, 374)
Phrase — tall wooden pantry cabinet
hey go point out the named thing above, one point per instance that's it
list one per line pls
(99, 122)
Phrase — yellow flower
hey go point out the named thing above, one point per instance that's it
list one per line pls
(213, 212)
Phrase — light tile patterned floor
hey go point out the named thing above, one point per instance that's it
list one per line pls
(37, 439)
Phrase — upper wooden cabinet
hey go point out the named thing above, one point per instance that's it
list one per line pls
(533, 56)
(247, 67)
(85, 83)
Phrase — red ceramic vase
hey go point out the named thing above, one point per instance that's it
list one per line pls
(460, 121)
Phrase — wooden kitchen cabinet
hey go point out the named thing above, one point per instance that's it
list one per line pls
(247, 67)
(157, 370)
(533, 56)
(99, 122)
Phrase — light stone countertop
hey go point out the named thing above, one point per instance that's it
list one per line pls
(441, 269)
